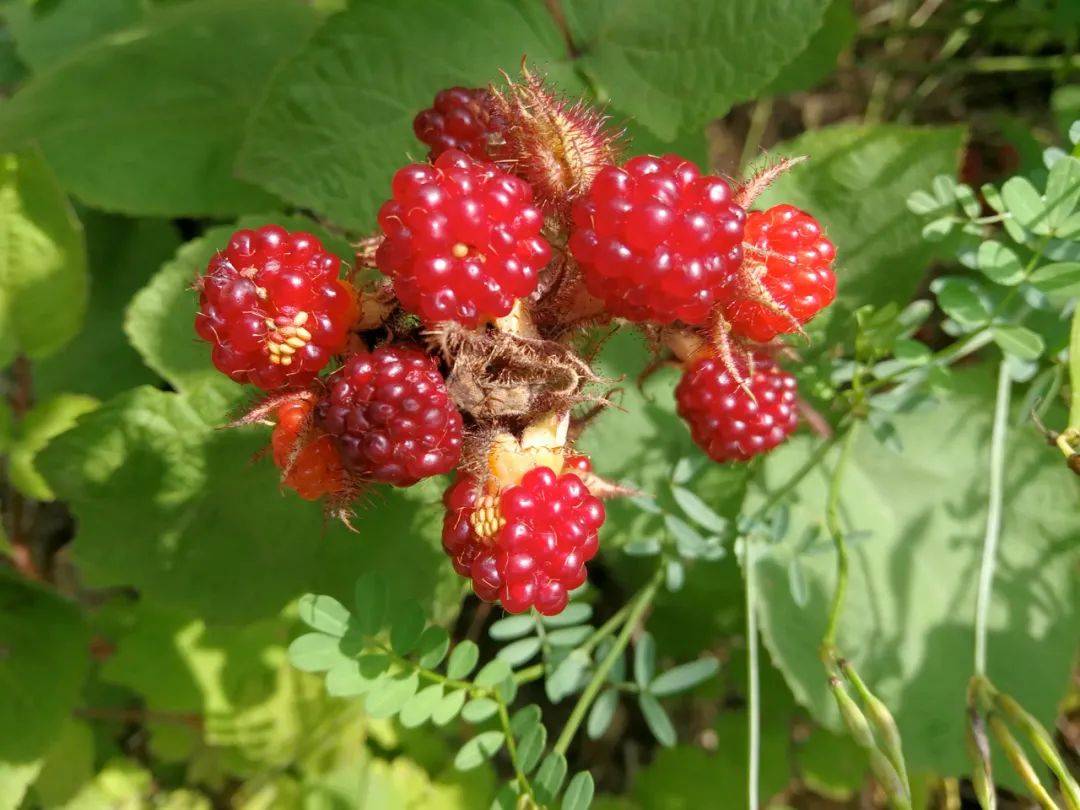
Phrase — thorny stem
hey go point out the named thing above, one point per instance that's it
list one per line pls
(993, 515)
(638, 607)
(832, 521)
(753, 680)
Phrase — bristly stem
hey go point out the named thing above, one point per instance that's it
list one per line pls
(832, 521)
(753, 680)
(640, 604)
(993, 515)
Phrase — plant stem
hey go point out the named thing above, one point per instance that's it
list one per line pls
(785, 488)
(511, 748)
(832, 521)
(759, 120)
(993, 515)
(637, 608)
(753, 681)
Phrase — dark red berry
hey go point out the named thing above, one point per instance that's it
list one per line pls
(311, 463)
(527, 545)
(727, 422)
(657, 240)
(273, 307)
(391, 417)
(786, 278)
(461, 118)
(462, 240)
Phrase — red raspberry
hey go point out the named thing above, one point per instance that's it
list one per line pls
(274, 308)
(787, 276)
(391, 416)
(526, 546)
(577, 464)
(657, 241)
(728, 423)
(313, 469)
(460, 118)
(462, 240)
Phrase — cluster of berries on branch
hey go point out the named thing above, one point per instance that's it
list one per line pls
(523, 231)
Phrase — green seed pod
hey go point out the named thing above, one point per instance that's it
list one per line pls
(1044, 746)
(978, 748)
(852, 715)
(882, 720)
(1020, 762)
(889, 779)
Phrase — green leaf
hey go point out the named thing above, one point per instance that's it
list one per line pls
(644, 660)
(911, 596)
(369, 599)
(1025, 204)
(569, 636)
(405, 627)
(433, 645)
(579, 793)
(480, 748)
(924, 203)
(350, 79)
(315, 652)
(530, 747)
(324, 613)
(566, 677)
(683, 677)
(448, 707)
(520, 652)
(512, 627)
(43, 275)
(122, 255)
(881, 255)
(960, 299)
(818, 59)
(602, 713)
(68, 765)
(697, 510)
(657, 719)
(44, 659)
(391, 696)
(1060, 279)
(188, 77)
(1062, 192)
(478, 710)
(1074, 369)
(574, 613)
(48, 33)
(549, 778)
(1019, 341)
(463, 659)
(419, 708)
(348, 679)
(493, 673)
(999, 263)
(524, 719)
(675, 68)
(38, 427)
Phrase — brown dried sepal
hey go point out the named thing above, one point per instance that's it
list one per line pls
(555, 144)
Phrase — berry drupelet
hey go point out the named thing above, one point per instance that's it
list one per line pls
(730, 423)
(657, 240)
(273, 308)
(391, 417)
(460, 118)
(462, 240)
(786, 277)
(308, 459)
(526, 545)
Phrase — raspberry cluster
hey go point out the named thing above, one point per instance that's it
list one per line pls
(460, 118)
(273, 308)
(520, 231)
(390, 416)
(527, 545)
(462, 240)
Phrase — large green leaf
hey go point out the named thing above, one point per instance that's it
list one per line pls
(43, 658)
(43, 271)
(99, 361)
(148, 120)
(818, 59)
(908, 621)
(675, 66)
(169, 503)
(46, 33)
(337, 120)
(856, 182)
